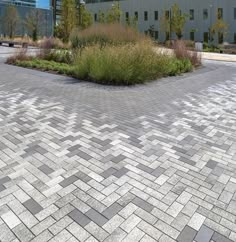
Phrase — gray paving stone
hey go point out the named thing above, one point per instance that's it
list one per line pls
(211, 164)
(220, 238)
(204, 234)
(33, 206)
(79, 217)
(45, 169)
(143, 204)
(121, 172)
(188, 234)
(66, 182)
(158, 171)
(4, 180)
(96, 217)
(112, 210)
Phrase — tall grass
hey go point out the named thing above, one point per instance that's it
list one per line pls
(105, 34)
(181, 52)
(127, 64)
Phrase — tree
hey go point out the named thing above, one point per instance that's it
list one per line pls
(33, 21)
(177, 21)
(173, 21)
(220, 27)
(101, 17)
(68, 19)
(114, 14)
(86, 18)
(10, 20)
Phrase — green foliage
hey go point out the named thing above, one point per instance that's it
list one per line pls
(178, 21)
(114, 14)
(68, 19)
(46, 65)
(101, 17)
(127, 64)
(174, 21)
(86, 18)
(220, 26)
(10, 19)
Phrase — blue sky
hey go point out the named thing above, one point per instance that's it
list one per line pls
(43, 3)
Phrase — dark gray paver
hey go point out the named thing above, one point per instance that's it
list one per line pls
(220, 238)
(112, 210)
(187, 235)
(33, 206)
(66, 182)
(96, 217)
(79, 217)
(211, 164)
(143, 204)
(46, 169)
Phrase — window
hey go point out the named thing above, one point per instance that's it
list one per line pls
(156, 34)
(95, 17)
(127, 16)
(145, 16)
(191, 14)
(192, 36)
(156, 15)
(205, 14)
(220, 13)
(206, 37)
(136, 15)
(234, 13)
(234, 38)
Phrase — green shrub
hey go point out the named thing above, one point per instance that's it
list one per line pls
(45, 65)
(127, 64)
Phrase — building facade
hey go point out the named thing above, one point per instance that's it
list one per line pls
(26, 3)
(202, 14)
(46, 19)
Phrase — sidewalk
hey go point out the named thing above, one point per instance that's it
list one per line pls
(218, 57)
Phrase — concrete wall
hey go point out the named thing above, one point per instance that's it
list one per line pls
(46, 25)
(199, 24)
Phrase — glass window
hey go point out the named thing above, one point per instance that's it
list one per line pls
(234, 13)
(145, 15)
(192, 36)
(156, 15)
(136, 15)
(206, 37)
(205, 13)
(220, 13)
(191, 14)
(95, 17)
(127, 16)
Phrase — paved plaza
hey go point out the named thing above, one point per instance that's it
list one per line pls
(85, 162)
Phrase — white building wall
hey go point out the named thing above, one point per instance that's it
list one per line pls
(198, 23)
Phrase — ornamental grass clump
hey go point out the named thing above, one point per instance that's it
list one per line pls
(126, 64)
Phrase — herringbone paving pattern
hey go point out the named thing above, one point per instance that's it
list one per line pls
(161, 176)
